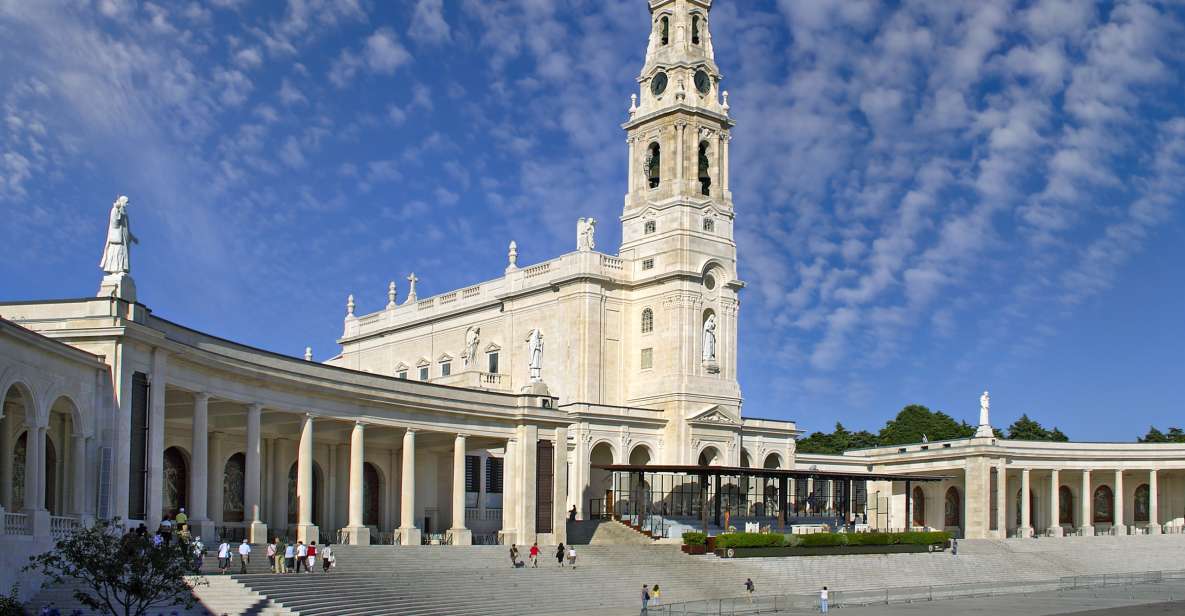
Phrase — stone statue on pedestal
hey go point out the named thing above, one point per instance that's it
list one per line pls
(472, 339)
(586, 234)
(535, 354)
(117, 253)
(985, 424)
(710, 338)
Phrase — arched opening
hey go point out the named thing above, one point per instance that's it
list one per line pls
(664, 30)
(705, 177)
(52, 503)
(293, 508)
(600, 481)
(919, 506)
(653, 164)
(1141, 512)
(1104, 506)
(175, 482)
(647, 321)
(63, 422)
(1065, 506)
(640, 455)
(773, 460)
(372, 492)
(710, 456)
(952, 508)
(234, 476)
(17, 407)
(695, 29)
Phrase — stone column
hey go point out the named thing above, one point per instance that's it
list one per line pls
(1055, 508)
(631, 179)
(78, 474)
(524, 490)
(216, 475)
(681, 164)
(280, 484)
(409, 533)
(1026, 527)
(306, 531)
(199, 473)
(35, 469)
(1001, 500)
(5, 458)
(341, 483)
(509, 504)
(1120, 524)
(156, 438)
(1153, 506)
(724, 139)
(257, 530)
(559, 484)
(357, 533)
(460, 535)
(1086, 523)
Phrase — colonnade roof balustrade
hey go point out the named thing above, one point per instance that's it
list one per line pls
(746, 471)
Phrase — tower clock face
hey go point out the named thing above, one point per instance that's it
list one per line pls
(658, 84)
(703, 82)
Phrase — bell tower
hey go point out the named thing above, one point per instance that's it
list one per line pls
(677, 236)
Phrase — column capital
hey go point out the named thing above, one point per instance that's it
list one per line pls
(462, 435)
(217, 435)
(359, 423)
(201, 396)
(407, 431)
(255, 406)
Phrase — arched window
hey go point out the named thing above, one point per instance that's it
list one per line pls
(233, 482)
(371, 494)
(1104, 506)
(951, 508)
(653, 165)
(1065, 506)
(919, 506)
(695, 29)
(664, 30)
(705, 179)
(1141, 512)
(647, 321)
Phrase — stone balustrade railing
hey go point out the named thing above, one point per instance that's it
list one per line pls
(17, 524)
(60, 526)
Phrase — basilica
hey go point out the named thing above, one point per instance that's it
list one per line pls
(489, 413)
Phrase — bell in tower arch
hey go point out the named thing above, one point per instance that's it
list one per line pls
(705, 179)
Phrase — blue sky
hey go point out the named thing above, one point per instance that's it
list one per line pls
(932, 198)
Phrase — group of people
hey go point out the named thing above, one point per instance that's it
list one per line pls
(562, 553)
(281, 557)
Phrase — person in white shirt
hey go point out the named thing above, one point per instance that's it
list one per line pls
(289, 557)
(823, 600)
(302, 554)
(244, 556)
(223, 556)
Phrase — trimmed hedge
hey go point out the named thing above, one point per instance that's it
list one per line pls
(694, 538)
(818, 540)
(750, 540)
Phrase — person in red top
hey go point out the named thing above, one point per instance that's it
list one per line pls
(312, 557)
(535, 555)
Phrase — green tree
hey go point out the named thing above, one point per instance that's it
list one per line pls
(124, 575)
(836, 442)
(915, 420)
(1174, 435)
(1026, 429)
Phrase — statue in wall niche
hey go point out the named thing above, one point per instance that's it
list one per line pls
(710, 338)
(586, 234)
(535, 354)
(116, 255)
(472, 338)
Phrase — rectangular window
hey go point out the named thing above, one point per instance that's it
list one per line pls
(473, 473)
(446, 368)
(403, 374)
(493, 363)
(649, 227)
(138, 456)
(709, 225)
(494, 476)
(423, 373)
(648, 264)
(647, 359)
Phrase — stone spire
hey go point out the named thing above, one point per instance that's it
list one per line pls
(680, 67)
(350, 306)
(391, 295)
(512, 257)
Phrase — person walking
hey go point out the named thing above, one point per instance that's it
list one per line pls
(181, 520)
(749, 588)
(166, 530)
(572, 513)
(327, 559)
(823, 600)
(954, 546)
(244, 556)
(302, 553)
(289, 558)
(535, 555)
(199, 551)
(559, 555)
(311, 566)
(572, 556)
(223, 556)
(271, 553)
(656, 595)
(513, 556)
(645, 599)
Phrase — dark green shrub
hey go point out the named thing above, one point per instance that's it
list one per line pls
(750, 540)
(822, 540)
(694, 538)
(924, 538)
(9, 605)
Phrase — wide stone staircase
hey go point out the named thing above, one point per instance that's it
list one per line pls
(605, 532)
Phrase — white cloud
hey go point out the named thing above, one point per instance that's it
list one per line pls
(248, 58)
(384, 53)
(290, 94)
(292, 154)
(236, 86)
(428, 24)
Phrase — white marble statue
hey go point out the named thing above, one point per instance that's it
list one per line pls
(586, 230)
(117, 254)
(710, 338)
(472, 339)
(985, 405)
(535, 354)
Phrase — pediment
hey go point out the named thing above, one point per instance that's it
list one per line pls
(401, 367)
(444, 357)
(714, 414)
(423, 362)
(492, 348)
